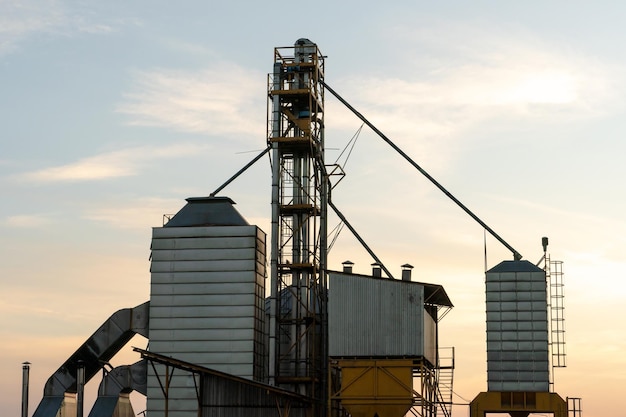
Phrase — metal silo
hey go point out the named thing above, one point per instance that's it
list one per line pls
(518, 364)
(206, 299)
(517, 328)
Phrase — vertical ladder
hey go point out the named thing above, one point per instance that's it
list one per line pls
(554, 273)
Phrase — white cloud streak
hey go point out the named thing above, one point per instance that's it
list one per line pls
(115, 164)
(22, 19)
(223, 100)
(141, 215)
(456, 77)
(26, 221)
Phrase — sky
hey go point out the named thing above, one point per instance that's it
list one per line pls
(114, 112)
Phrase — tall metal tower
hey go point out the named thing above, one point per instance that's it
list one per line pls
(298, 341)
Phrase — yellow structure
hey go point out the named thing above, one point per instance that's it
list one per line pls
(369, 388)
(518, 404)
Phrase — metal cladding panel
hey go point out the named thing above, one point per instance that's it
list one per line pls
(196, 254)
(202, 277)
(207, 231)
(430, 339)
(192, 323)
(200, 311)
(517, 328)
(206, 306)
(183, 288)
(373, 317)
(210, 266)
(204, 346)
(204, 243)
(224, 397)
(182, 335)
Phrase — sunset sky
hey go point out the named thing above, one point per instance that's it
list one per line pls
(114, 112)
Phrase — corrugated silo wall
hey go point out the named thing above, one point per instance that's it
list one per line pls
(374, 317)
(517, 328)
(206, 307)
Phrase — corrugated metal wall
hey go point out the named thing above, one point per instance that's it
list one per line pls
(228, 398)
(373, 317)
(206, 306)
(517, 328)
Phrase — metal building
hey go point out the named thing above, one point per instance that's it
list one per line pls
(383, 346)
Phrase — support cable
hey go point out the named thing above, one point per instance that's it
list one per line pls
(516, 254)
(351, 143)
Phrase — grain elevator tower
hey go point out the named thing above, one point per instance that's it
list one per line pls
(298, 236)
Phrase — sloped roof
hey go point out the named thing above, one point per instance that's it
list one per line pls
(207, 211)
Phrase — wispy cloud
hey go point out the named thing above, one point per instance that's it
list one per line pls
(21, 19)
(222, 100)
(141, 215)
(107, 165)
(26, 221)
(457, 76)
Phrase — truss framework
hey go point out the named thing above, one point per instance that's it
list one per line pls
(299, 200)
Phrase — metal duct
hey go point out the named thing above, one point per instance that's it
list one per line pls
(112, 336)
(114, 389)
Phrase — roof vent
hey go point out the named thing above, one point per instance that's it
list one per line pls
(347, 266)
(406, 272)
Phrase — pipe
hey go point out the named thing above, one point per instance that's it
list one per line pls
(25, 386)
(358, 237)
(274, 239)
(241, 171)
(80, 389)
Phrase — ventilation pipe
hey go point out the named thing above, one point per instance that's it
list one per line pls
(80, 388)
(406, 272)
(347, 266)
(25, 383)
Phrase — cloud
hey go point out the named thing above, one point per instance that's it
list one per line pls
(20, 20)
(222, 100)
(108, 165)
(26, 221)
(141, 215)
(455, 76)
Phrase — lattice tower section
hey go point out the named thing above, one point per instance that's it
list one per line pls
(298, 243)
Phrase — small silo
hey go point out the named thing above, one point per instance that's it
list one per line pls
(518, 365)
(517, 328)
(206, 298)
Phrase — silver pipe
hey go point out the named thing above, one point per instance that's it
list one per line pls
(274, 238)
(25, 384)
(80, 389)
(241, 171)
